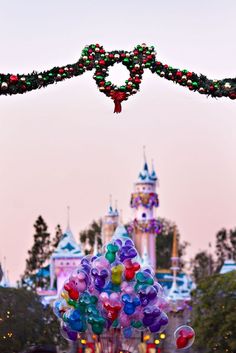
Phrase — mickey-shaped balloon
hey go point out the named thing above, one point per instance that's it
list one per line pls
(86, 301)
(159, 324)
(71, 287)
(75, 320)
(130, 303)
(184, 336)
(150, 314)
(111, 304)
(130, 269)
(100, 278)
(147, 294)
(127, 251)
(111, 252)
(97, 323)
(116, 274)
(143, 278)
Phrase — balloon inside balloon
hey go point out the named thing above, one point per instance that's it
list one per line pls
(184, 337)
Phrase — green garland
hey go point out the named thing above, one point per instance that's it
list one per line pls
(95, 57)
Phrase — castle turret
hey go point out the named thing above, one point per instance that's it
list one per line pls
(174, 293)
(109, 224)
(145, 226)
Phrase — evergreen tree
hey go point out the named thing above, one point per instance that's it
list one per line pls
(38, 256)
(213, 314)
(164, 243)
(225, 246)
(203, 265)
(26, 322)
(94, 231)
(57, 238)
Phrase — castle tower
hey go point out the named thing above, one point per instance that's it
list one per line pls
(174, 293)
(64, 260)
(109, 224)
(145, 226)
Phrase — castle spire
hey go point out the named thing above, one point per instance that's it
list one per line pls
(145, 158)
(68, 219)
(175, 244)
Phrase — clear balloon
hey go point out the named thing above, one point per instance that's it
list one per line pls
(184, 337)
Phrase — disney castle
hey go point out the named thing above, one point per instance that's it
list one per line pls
(144, 228)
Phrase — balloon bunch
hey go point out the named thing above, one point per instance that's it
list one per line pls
(112, 291)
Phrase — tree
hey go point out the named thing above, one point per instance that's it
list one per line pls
(202, 265)
(25, 321)
(225, 246)
(92, 233)
(164, 245)
(57, 238)
(38, 256)
(214, 318)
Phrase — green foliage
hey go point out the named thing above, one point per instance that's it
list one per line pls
(24, 321)
(225, 246)
(203, 265)
(164, 245)
(94, 231)
(214, 318)
(38, 255)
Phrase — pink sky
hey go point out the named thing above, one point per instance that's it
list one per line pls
(63, 146)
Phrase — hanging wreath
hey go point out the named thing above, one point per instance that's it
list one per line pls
(95, 57)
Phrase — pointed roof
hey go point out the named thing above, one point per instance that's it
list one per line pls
(146, 177)
(120, 232)
(228, 266)
(67, 246)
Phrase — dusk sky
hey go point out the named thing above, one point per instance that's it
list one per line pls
(64, 146)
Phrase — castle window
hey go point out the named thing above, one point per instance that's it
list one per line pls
(144, 215)
(143, 187)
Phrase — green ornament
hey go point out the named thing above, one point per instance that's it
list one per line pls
(195, 84)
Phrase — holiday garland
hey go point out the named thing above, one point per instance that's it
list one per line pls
(150, 226)
(147, 200)
(95, 57)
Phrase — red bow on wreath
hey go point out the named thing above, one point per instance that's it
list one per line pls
(118, 97)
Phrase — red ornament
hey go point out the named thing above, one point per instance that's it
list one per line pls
(232, 95)
(102, 62)
(189, 74)
(61, 71)
(13, 79)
